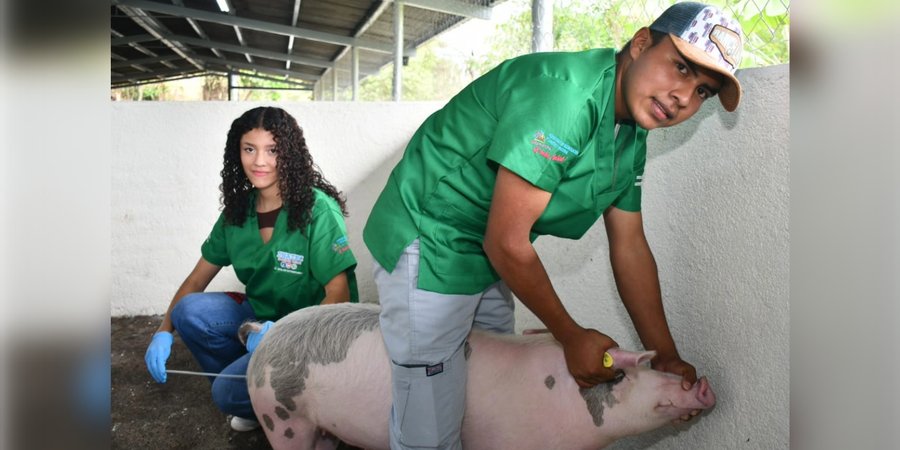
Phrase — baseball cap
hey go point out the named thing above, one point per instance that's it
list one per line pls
(707, 37)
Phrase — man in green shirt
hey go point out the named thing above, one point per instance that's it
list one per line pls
(543, 144)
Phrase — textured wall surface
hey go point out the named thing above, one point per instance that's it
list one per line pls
(715, 212)
(715, 207)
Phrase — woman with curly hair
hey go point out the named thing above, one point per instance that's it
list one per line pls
(282, 227)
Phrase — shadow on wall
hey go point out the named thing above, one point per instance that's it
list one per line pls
(682, 133)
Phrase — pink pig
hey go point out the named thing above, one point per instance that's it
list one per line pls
(323, 372)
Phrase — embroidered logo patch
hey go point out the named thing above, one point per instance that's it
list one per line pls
(340, 245)
(728, 42)
(288, 262)
(551, 147)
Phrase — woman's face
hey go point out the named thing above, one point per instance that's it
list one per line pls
(260, 159)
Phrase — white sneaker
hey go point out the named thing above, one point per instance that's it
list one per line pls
(242, 424)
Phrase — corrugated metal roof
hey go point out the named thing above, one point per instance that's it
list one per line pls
(155, 40)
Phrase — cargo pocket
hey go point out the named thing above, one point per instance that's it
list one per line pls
(418, 424)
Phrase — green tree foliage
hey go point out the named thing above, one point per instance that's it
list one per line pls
(144, 92)
(581, 25)
(215, 88)
(767, 38)
(262, 93)
(428, 76)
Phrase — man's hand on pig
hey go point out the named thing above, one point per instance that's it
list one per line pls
(685, 370)
(584, 351)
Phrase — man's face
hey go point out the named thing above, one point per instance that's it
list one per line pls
(661, 88)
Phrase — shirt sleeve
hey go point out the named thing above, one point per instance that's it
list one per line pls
(540, 128)
(330, 252)
(630, 198)
(215, 247)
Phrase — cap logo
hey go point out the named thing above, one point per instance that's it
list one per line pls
(728, 42)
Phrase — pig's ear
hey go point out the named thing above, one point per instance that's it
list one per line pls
(645, 357)
(623, 358)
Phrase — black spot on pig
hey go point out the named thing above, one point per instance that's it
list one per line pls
(281, 413)
(269, 424)
(321, 335)
(549, 381)
(289, 433)
(600, 397)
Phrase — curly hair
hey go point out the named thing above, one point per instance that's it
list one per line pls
(297, 174)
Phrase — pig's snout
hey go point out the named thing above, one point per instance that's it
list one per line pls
(705, 394)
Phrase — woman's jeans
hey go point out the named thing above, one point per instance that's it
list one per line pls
(208, 323)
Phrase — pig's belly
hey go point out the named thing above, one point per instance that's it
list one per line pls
(352, 399)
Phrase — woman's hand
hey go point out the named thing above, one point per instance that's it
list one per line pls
(157, 354)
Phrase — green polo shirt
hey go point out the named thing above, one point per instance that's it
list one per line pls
(549, 118)
(290, 271)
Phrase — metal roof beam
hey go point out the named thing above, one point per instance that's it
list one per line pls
(290, 48)
(454, 7)
(136, 62)
(144, 82)
(269, 78)
(175, 75)
(253, 51)
(259, 25)
(128, 40)
(139, 47)
(374, 13)
(256, 67)
(193, 23)
(229, 9)
(152, 26)
(156, 77)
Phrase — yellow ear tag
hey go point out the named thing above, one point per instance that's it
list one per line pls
(607, 360)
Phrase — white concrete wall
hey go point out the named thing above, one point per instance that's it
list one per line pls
(715, 211)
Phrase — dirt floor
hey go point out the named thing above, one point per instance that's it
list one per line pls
(179, 414)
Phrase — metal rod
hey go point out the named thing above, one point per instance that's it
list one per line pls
(205, 374)
(398, 51)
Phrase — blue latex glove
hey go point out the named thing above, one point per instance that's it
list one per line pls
(255, 337)
(157, 354)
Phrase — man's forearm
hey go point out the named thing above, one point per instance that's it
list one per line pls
(522, 270)
(637, 280)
